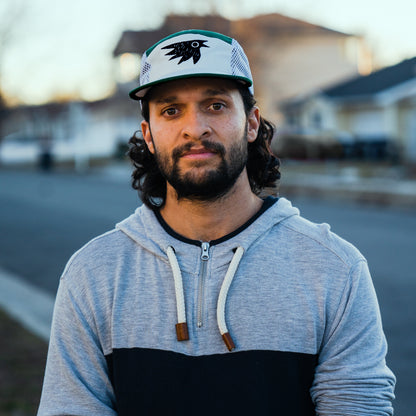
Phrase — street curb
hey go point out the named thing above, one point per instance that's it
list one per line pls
(399, 194)
(27, 304)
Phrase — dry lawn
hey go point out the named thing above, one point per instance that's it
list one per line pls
(22, 363)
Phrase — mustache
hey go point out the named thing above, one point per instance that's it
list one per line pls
(210, 146)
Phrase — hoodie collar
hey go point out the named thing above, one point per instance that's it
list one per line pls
(145, 229)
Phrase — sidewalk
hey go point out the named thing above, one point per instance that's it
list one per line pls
(27, 304)
(390, 188)
(366, 183)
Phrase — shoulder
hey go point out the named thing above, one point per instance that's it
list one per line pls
(321, 241)
(96, 256)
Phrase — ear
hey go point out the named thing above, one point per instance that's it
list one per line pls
(147, 136)
(253, 123)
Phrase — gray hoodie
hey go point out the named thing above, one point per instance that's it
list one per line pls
(296, 300)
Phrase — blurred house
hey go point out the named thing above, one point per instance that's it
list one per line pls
(287, 56)
(372, 116)
(73, 132)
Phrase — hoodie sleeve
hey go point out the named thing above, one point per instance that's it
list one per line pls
(352, 377)
(76, 376)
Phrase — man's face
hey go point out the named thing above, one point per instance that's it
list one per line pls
(199, 132)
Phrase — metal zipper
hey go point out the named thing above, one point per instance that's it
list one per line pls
(201, 283)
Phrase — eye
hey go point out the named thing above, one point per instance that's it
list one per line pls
(217, 106)
(171, 111)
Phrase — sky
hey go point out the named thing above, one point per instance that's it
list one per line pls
(55, 49)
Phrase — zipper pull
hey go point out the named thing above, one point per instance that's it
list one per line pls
(205, 251)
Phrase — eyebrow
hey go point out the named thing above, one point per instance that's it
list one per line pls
(208, 92)
(220, 91)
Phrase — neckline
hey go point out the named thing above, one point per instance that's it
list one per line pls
(267, 203)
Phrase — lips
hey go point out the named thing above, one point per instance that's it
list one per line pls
(198, 152)
(204, 149)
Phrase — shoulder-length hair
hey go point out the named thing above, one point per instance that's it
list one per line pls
(262, 165)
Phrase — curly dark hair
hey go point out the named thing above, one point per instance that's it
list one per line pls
(262, 164)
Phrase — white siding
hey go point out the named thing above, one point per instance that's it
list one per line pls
(368, 124)
(410, 136)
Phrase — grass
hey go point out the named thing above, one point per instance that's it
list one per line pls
(22, 364)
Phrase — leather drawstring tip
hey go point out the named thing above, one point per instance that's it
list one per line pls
(228, 341)
(182, 331)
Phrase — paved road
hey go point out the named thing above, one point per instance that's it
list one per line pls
(46, 217)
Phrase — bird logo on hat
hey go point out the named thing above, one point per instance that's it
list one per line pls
(186, 50)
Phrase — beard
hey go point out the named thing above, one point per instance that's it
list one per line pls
(215, 182)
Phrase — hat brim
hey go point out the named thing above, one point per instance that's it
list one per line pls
(139, 92)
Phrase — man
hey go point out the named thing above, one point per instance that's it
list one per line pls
(210, 299)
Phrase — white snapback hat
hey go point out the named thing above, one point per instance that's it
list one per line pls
(193, 53)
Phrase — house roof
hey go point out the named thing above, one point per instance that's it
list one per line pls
(375, 82)
(138, 41)
(269, 25)
(277, 24)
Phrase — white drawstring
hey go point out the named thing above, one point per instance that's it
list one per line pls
(222, 298)
(181, 326)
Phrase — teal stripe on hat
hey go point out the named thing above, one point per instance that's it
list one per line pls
(198, 32)
(244, 80)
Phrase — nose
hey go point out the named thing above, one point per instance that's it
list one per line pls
(196, 125)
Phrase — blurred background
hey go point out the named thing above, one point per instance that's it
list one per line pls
(338, 79)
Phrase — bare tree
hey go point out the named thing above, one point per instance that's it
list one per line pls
(11, 13)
